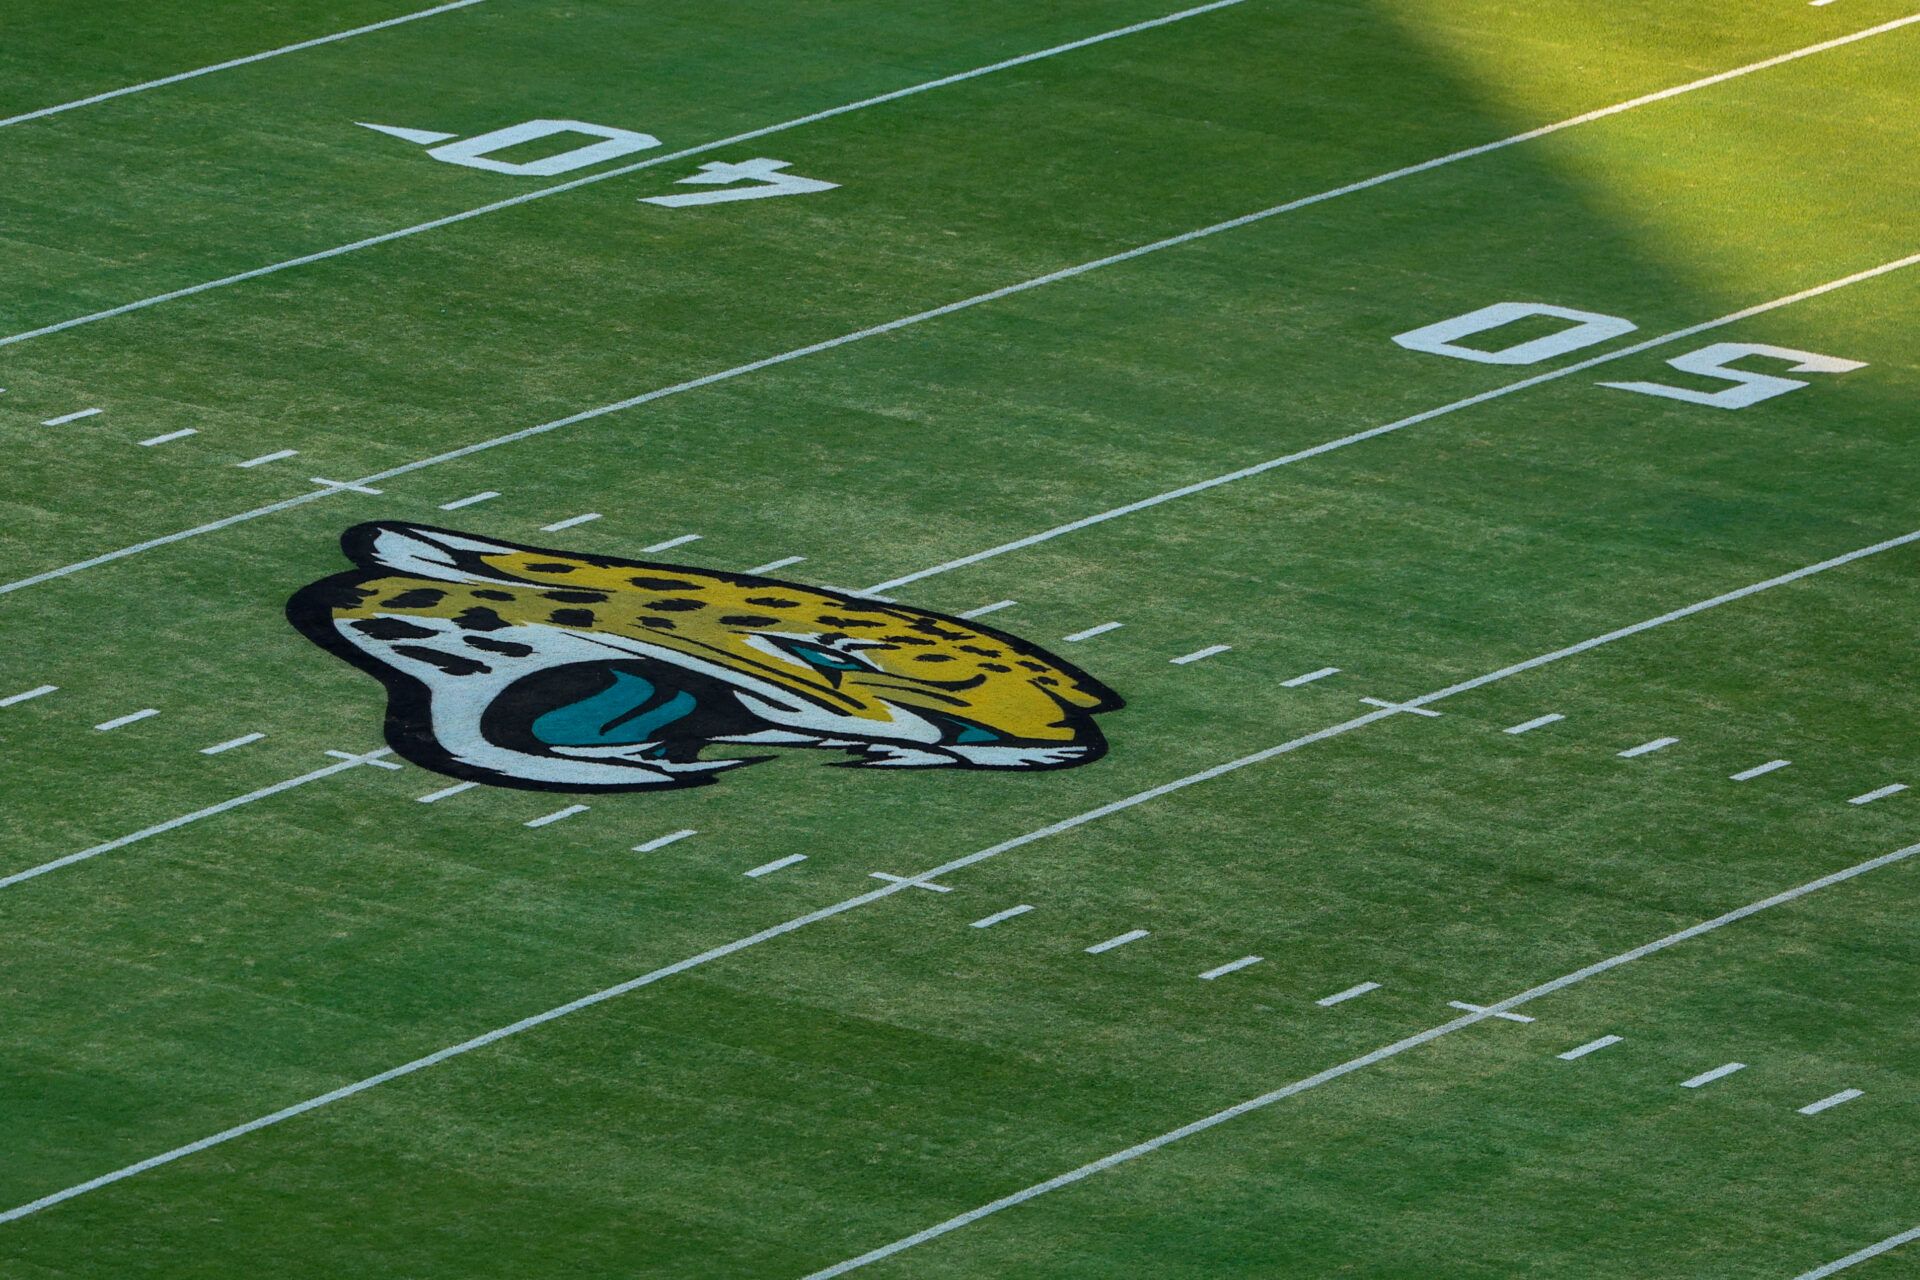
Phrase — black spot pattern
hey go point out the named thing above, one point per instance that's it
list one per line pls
(418, 598)
(577, 597)
(392, 629)
(915, 640)
(835, 620)
(933, 657)
(773, 602)
(549, 568)
(664, 584)
(994, 666)
(493, 595)
(451, 663)
(479, 619)
(510, 648)
(748, 620)
(676, 606)
(658, 624)
(572, 617)
(974, 648)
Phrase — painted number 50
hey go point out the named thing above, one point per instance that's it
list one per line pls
(1588, 328)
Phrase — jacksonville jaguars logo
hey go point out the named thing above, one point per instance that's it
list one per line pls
(525, 667)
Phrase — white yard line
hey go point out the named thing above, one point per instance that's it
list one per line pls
(671, 543)
(1708, 1077)
(555, 816)
(900, 884)
(987, 922)
(1231, 966)
(170, 824)
(661, 842)
(1480, 1008)
(228, 65)
(65, 418)
(433, 796)
(1759, 770)
(1871, 1251)
(1200, 654)
(768, 868)
(108, 725)
(782, 563)
(241, 741)
(569, 522)
(1341, 997)
(985, 609)
(170, 436)
(1132, 935)
(1091, 632)
(1310, 677)
(604, 175)
(1881, 793)
(265, 458)
(1647, 748)
(1528, 726)
(1361, 1063)
(40, 692)
(470, 500)
(1591, 1046)
(1828, 1103)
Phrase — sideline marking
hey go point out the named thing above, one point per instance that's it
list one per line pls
(661, 842)
(897, 884)
(171, 823)
(444, 792)
(458, 503)
(1379, 1055)
(768, 868)
(604, 175)
(70, 417)
(1132, 935)
(1892, 789)
(1708, 1077)
(1748, 775)
(987, 922)
(1871, 1251)
(42, 691)
(1231, 966)
(1310, 677)
(1647, 748)
(1528, 726)
(1480, 1008)
(265, 458)
(117, 721)
(1825, 1104)
(1091, 632)
(1341, 997)
(181, 434)
(555, 816)
(231, 743)
(177, 77)
(1591, 1046)
(670, 543)
(771, 565)
(1114, 513)
(985, 609)
(569, 522)
(1198, 654)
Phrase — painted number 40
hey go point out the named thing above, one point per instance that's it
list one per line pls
(1588, 328)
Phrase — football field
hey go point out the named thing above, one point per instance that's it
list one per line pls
(1361, 557)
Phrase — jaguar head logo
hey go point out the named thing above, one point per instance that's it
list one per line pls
(526, 667)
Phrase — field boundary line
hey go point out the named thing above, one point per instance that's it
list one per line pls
(1871, 1251)
(901, 884)
(158, 828)
(231, 63)
(621, 171)
(1366, 1060)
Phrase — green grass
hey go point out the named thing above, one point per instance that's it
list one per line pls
(850, 1083)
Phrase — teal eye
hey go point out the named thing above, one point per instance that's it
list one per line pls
(831, 661)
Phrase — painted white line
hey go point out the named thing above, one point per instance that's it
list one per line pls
(1708, 1077)
(1828, 1103)
(458, 503)
(65, 418)
(1310, 677)
(899, 884)
(768, 868)
(1199, 654)
(1406, 707)
(569, 522)
(1647, 748)
(117, 721)
(444, 792)
(364, 483)
(1091, 632)
(1591, 1046)
(555, 816)
(41, 692)
(375, 758)
(1538, 722)
(781, 563)
(231, 743)
(181, 434)
(1341, 997)
(1361, 1063)
(1120, 940)
(170, 824)
(1871, 1251)
(985, 609)
(1892, 789)
(1231, 966)
(233, 62)
(987, 922)
(265, 458)
(670, 543)
(605, 175)
(1759, 770)
(661, 842)
(1480, 1008)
